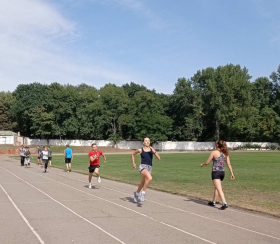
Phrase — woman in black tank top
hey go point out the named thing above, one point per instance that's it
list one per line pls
(145, 167)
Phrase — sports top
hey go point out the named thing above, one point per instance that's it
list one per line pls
(147, 157)
(22, 151)
(219, 163)
(96, 161)
(68, 152)
(45, 154)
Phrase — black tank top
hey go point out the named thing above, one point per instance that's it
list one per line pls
(147, 157)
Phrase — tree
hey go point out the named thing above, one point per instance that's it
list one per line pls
(6, 100)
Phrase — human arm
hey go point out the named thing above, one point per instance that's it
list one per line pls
(208, 160)
(155, 153)
(105, 160)
(133, 157)
(230, 168)
(64, 154)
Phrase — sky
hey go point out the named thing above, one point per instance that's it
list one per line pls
(152, 43)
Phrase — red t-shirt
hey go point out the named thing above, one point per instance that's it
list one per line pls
(96, 161)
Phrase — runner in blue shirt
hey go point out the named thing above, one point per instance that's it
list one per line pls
(68, 156)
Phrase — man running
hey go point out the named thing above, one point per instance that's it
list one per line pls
(94, 166)
(50, 156)
(145, 167)
(22, 156)
(68, 156)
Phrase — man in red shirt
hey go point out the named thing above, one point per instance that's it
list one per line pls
(94, 166)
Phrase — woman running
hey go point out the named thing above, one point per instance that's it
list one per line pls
(219, 157)
(145, 167)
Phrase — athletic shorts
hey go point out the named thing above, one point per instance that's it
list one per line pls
(220, 175)
(27, 161)
(68, 160)
(50, 158)
(39, 157)
(91, 168)
(145, 166)
(45, 161)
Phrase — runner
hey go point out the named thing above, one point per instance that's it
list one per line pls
(145, 167)
(39, 158)
(45, 158)
(94, 166)
(219, 157)
(50, 157)
(27, 155)
(68, 156)
(22, 157)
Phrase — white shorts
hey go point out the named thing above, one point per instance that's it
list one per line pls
(27, 161)
(145, 166)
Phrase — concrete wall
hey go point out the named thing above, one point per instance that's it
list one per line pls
(7, 140)
(160, 146)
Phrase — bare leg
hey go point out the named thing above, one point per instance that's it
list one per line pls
(148, 178)
(218, 186)
(96, 171)
(216, 194)
(70, 165)
(50, 163)
(89, 177)
(141, 184)
(67, 166)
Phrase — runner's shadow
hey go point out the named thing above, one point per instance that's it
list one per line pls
(130, 199)
(92, 187)
(196, 201)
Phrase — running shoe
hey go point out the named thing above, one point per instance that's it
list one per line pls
(224, 206)
(142, 196)
(69, 170)
(99, 179)
(89, 186)
(136, 196)
(211, 203)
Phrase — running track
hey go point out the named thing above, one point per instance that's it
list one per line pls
(57, 207)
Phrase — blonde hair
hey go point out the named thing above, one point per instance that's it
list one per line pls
(222, 145)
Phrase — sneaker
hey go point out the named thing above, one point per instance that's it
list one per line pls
(69, 170)
(142, 196)
(136, 196)
(89, 186)
(99, 179)
(211, 203)
(224, 207)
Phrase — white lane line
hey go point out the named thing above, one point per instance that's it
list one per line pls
(23, 217)
(144, 215)
(185, 211)
(66, 207)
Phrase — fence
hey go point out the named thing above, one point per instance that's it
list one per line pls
(160, 146)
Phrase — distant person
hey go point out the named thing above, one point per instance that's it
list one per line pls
(22, 157)
(68, 156)
(39, 157)
(145, 168)
(219, 157)
(27, 156)
(45, 158)
(50, 156)
(94, 166)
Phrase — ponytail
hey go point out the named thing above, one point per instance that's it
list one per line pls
(222, 145)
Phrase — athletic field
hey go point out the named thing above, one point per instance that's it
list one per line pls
(57, 207)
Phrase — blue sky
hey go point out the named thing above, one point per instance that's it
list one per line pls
(148, 42)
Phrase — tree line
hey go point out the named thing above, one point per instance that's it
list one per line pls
(216, 103)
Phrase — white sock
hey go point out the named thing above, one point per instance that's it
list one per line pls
(224, 203)
(214, 202)
(143, 192)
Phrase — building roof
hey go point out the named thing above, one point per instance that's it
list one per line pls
(7, 133)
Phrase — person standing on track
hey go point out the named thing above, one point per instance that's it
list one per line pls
(50, 157)
(68, 156)
(27, 156)
(219, 157)
(39, 158)
(22, 156)
(94, 166)
(45, 158)
(145, 167)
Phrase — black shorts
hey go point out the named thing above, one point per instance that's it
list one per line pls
(91, 168)
(45, 161)
(39, 157)
(68, 160)
(218, 175)
(50, 158)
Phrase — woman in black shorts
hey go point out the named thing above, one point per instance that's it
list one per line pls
(219, 157)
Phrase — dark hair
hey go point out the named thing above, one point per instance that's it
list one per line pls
(67, 145)
(93, 144)
(222, 145)
(145, 138)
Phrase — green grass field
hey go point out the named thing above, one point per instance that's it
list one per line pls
(256, 187)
